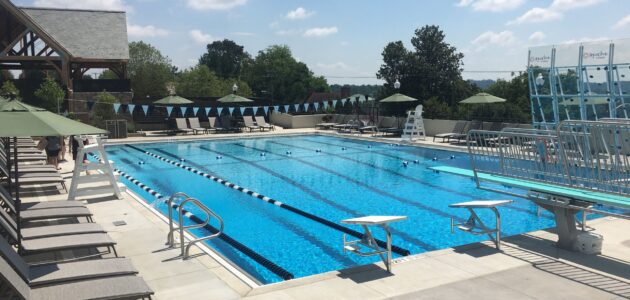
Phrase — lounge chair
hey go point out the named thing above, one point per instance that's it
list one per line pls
(227, 125)
(371, 128)
(459, 128)
(181, 125)
(474, 125)
(195, 126)
(260, 121)
(28, 178)
(111, 287)
(391, 126)
(47, 210)
(336, 120)
(249, 123)
(214, 125)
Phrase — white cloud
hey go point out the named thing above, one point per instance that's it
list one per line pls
(503, 38)
(146, 31)
(320, 31)
(625, 21)
(288, 32)
(201, 38)
(215, 4)
(491, 5)
(84, 4)
(537, 37)
(555, 11)
(586, 40)
(299, 13)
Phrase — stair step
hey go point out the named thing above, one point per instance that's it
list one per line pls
(98, 190)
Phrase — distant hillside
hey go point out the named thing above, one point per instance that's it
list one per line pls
(371, 90)
(482, 84)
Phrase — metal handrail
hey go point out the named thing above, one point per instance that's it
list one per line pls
(185, 249)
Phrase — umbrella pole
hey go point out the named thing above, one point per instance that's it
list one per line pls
(18, 202)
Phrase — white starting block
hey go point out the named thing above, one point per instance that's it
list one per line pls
(368, 240)
(474, 225)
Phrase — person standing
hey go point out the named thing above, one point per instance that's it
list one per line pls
(62, 152)
(53, 146)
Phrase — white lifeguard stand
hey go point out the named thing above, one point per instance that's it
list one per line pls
(101, 179)
(414, 126)
(368, 241)
(474, 225)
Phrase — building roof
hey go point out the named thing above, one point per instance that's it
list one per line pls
(85, 34)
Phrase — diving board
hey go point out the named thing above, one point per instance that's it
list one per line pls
(541, 187)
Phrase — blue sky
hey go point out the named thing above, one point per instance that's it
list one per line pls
(343, 39)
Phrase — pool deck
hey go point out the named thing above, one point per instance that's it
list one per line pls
(527, 267)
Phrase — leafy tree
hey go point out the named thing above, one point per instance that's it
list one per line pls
(149, 71)
(50, 95)
(201, 82)
(225, 58)
(5, 75)
(436, 109)
(103, 109)
(108, 74)
(275, 71)
(8, 89)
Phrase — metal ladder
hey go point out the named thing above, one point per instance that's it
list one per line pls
(181, 227)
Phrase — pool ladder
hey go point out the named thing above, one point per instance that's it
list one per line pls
(187, 200)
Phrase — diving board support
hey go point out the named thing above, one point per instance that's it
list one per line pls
(368, 241)
(474, 224)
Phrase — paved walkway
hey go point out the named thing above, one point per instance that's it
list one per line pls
(528, 267)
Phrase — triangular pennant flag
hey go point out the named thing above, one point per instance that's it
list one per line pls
(145, 108)
(276, 108)
(334, 103)
(183, 109)
(169, 110)
(231, 110)
(116, 107)
(296, 107)
(242, 110)
(343, 102)
(316, 104)
(219, 110)
(362, 99)
(90, 104)
(255, 108)
(266, 109)
(131, 108)
(352, 101)
(306, 105)
(325, 104)
(208, 110)
(195, 110)
(286, 108)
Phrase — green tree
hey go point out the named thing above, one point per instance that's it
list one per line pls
(50, 95)
(225, 58)
(103, 109)
(276, 72)
(5, 75)
(8, 89)
(108, 74)
(436, 109)
(197, 82)
(149, 70)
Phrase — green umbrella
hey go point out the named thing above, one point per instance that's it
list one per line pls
(398, 98)
(20, 119)
(482, 98)
(173, 100)
(234, 98)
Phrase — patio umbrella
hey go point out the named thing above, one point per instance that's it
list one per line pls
(397, 98)
(173, 100)
(234, 98)
(482, 98)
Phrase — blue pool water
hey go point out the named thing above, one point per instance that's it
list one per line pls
(330, 177)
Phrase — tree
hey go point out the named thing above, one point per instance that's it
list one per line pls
(201, 82)
(5, 75)
(275, 73)
(108, 74)
(50, 95)
(431, 69)
(8, 89)
(103, 109)
(225, 58)
(149, 71)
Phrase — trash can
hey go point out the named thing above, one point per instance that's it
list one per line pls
(589, 242)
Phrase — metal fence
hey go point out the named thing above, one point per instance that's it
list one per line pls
(592, 155)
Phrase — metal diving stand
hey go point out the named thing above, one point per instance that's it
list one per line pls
(474, 225)
(368, 241)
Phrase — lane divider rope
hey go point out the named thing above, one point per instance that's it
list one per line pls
(271, 266)
(396, 249)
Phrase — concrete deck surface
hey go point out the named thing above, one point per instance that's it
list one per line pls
(527, 267)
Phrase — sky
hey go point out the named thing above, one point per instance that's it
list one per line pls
(342, 40)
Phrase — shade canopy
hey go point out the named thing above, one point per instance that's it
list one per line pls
(398, 98)
(173, 100)
(234, 98)
(588, 100)
(482, 98)
(361, 96)
(20, 119)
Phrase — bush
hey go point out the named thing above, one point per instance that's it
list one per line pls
(50, 95)
(436, 109)
(8, 88)
(103, 109)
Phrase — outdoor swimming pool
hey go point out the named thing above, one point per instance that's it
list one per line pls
(333, 178)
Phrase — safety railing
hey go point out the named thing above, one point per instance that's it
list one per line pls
(179, 201)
